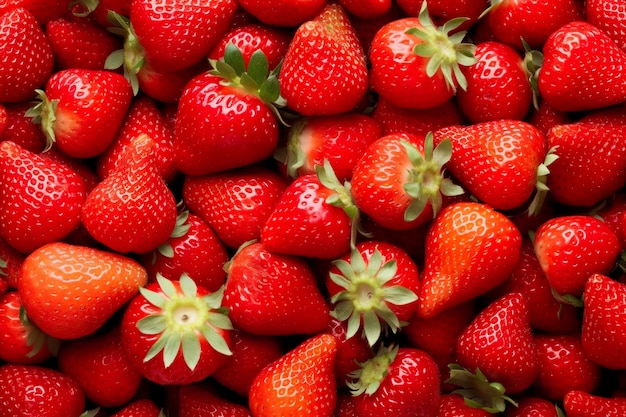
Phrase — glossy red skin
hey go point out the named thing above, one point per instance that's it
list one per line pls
(198, 400)
(610, 16)
(26, 60)
(139, 408)
(453, 405)
(614, 214)
(136, 344)
(41, 199)
(283, 13)
(21, 129)
(497, 85)
(211, 133)
(411, 388)
(56, 394)
(546, 117)
(167, 86)
(532, 406)
(582, 404)
(273, 295)
(499, 342)
(235, 203)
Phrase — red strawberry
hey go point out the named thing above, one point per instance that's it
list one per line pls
(454, 405)
(26, 58)
(497, 85)
(272, 294)
(99, 364)
(443, 11)
(20, 340)
(81, 110)
(610, 17)
(350, 351)
(301, 382)
(11, 264)
(416, 64)
(20, 128)
(139, 408)
(324, 71)
(603, 341)
(399, 183)
(579, 49)
(501, 162)
(40, 199)
(366, 9)
(470, 249)
(535, 407)
(132, 210)
(31, 390)
(175, 332)
(399, 382)
(545, 117)
(235, 203)
(613, 213)
(4, 119)
(374, 289)
(202, 400)
(71, 291)
(583, 404)
(287, 13)
(571, 248)
(42, 10)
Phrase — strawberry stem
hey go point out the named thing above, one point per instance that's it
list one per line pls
(477, 391)
(44, 114)
(371, 373)
(541, 183)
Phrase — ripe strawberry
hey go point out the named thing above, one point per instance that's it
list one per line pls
(81, 110)
(11, 264)
(4, 119)
(603, 341)
(399, 382)
(612, 213)
(350, 351)
(40, 199)
(324, 71)
(21, 130)
(398, 182)
(497, 85)
(510, 20)
(235, 203)
(202, 400)
(132, 210)
(30, 390)
(571, 248)
(340, 139)
(610, 17)
(301, 382)
(583, 404)
(71, 291)
(442, 11)
(284, 13)
(416, 64)
(99, 364)
(470, 249)
(579, 49)
(454, 405)
(26, 59)
(374, 289)
(499, 346)
(272, 294)
(366, 9)
(501, 162)
(221, 104)
(545, 117)
(534, 406)
(20, 340)
(140, 408)
(175, 332)
(42, 10)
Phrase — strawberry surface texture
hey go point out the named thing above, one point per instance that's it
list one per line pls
(312, 208)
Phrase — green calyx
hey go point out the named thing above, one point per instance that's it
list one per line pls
(366, 294)
(541, 184)
(426, 180)
(180, 229)
(184, 319)
(36, 338)
(292, 155)
(132, 57)
(446, 52)
(477, 391)
(3, 266)
(44, 114)
(367, 379)
(532, 63)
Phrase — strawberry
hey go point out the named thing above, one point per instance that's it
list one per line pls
(132, 210)
(340, 139)
(442, 10)
(232, 101)
(41, 200)
(42, 10)
(583, 404)
(73, 107)
(511, 21)
(398, 182)
(99, 365)
(260, 302)
(470, 249)
(29, 390)
(26, 56)
(563, 367)
(11, 264)
(501, 162)
(399, 382)
(497, 85)
(579, 49)
(202, 400)
(235, 203)
(603, 318)
(101, 283)
(283, 13)
(534, 406)
(21, 130)
(612, 213)
(21, 341)
(366, 9)
(571, 248)
(374, 289)
(301, 382)
(609, 16)
(4, 119)
(454, 405)
(416, 64)
(251, 353)
(545, 117)
(499, 346)
(140, 408)
(350, 351)
(176, 332)
(324, 71)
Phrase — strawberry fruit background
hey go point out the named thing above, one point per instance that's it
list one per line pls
(312, 208)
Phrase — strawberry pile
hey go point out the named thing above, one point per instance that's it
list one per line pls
(310, 208)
